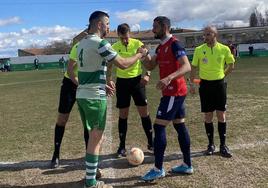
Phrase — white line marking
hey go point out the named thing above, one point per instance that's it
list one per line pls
(111, 171)
(38, 164)
(108, 139)
(36, 81)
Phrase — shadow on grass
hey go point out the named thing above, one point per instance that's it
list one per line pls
(106, 161)
(42, 164)
(77, 184)
(121, 163)
(137, 181)
(65, 164)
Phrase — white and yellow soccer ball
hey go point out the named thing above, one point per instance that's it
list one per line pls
(135, 156)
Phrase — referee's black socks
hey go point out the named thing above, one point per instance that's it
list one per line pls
(59, 132)
(147, 126)
(122, 128)
(222, 132)
(210, 132)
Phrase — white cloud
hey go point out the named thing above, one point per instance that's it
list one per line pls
(56, 30)
(237, 23)
(20, 42)
(10, 21)
(195, 11)
(209, 11)
(185, 14)
(35, 36)
(135, 27)
(133, 16)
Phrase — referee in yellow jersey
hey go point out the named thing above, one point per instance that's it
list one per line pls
(130, 83)
(214, 61)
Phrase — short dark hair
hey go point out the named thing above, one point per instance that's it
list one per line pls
(211, 28)
(123, 29)
(96, 16)
(163, 20)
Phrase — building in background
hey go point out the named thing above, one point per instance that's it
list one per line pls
(241, 37)
(31, 52)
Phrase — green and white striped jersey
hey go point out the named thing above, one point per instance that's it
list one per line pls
(93, 55)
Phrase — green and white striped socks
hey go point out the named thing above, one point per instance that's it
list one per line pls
(91, 169)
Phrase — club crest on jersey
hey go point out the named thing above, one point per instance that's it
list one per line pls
(166, 49)
(219, 59)
(205, 60)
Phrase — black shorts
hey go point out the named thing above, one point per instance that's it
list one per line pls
(67, 96)
(127, 88)
(213, 95)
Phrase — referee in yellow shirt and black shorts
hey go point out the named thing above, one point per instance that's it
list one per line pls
(214, 62)
(130, 83)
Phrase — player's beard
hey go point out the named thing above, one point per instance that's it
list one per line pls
(159, 35)
(104, 33)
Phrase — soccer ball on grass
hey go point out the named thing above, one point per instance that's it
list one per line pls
(135, 156)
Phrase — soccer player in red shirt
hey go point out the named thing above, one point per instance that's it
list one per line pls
(173, 64)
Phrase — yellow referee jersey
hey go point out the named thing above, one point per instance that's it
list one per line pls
(73, 56)
(128, 51)
(211, 61)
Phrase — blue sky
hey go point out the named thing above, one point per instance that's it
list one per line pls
(28, 23)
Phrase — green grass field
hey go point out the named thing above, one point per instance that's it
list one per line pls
(28, 111)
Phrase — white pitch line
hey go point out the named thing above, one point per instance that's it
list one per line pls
(249, 145)
(111, 171)
(108, 137)
(36, 81)
(36, 164)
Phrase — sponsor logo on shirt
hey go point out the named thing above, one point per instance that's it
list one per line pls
(170, 87)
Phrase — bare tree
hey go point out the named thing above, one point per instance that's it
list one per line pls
(260, 18)
(58, 47)
(253, 20)
(256, 18)
(266, 17)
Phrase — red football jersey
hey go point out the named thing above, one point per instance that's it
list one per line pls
(167, 58)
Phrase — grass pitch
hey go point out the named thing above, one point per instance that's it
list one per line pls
(28, 111)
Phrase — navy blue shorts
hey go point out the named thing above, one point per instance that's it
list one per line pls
(67, 96)
(171, 108)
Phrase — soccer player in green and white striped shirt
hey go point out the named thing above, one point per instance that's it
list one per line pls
(94, 54)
